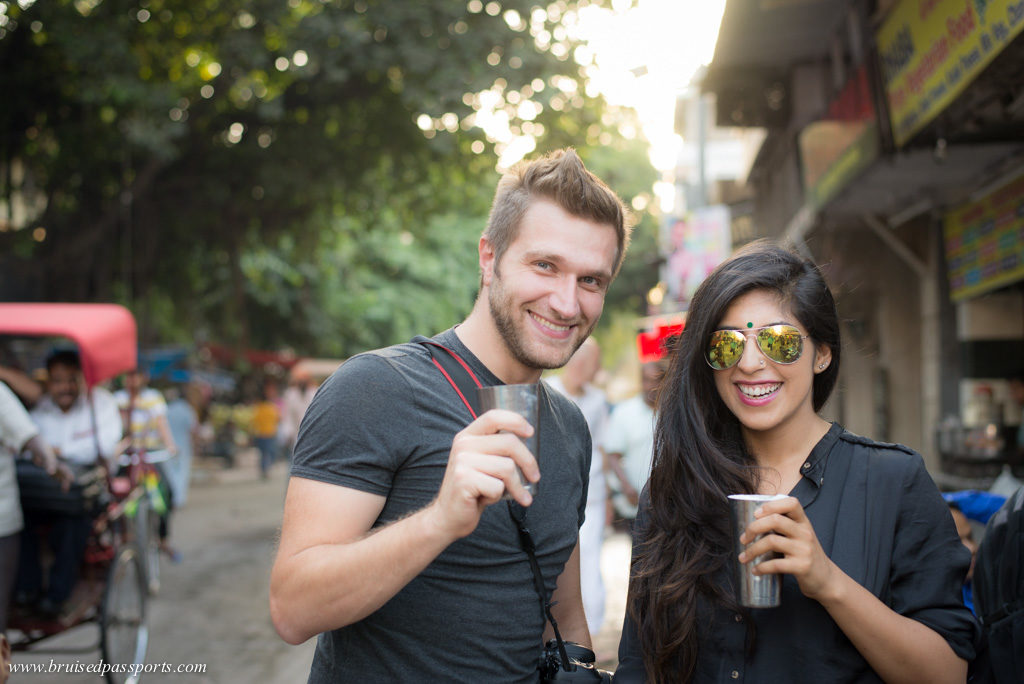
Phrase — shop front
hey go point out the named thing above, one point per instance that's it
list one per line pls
(984, 249)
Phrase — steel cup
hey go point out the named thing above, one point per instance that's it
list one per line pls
(521, 399)
(755, 591)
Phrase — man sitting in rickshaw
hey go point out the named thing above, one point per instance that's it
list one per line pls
(84, 429)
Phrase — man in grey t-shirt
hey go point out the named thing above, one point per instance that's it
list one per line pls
(391, 549)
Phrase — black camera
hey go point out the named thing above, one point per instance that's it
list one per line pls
(580, 665)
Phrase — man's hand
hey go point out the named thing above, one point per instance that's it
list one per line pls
(481, 468)
(64, 475)
(46, 458)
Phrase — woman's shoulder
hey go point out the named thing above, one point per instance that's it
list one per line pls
(868, 443)
(883, 458)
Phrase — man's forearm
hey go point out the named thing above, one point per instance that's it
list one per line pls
(567, 606)
(333, 585)
(620, 473)
(22, 385)
(572, 625)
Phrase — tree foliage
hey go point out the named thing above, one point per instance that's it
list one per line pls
(271, 172)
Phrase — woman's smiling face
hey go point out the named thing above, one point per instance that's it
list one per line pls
(762, 394)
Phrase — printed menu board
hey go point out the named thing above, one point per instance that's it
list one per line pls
(985, 242)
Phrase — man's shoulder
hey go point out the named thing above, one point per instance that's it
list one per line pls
(555, 382)
(395, 357)
(44, 407)
(101, 395)
(387, 372)
(560, 402)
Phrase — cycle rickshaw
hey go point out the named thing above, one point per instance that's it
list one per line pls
(113, 582)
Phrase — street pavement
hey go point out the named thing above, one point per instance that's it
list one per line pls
(212, 607)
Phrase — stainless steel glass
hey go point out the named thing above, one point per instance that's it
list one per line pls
(755, 591)
(521, 399)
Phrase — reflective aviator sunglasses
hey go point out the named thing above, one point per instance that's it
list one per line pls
(781, 343)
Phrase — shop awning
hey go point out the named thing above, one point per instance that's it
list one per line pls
(105, 333)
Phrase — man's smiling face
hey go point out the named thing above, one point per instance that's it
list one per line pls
(547, 293)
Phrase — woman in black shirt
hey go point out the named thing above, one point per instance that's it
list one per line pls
(870, 561)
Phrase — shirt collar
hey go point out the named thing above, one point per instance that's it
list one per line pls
(813, 468)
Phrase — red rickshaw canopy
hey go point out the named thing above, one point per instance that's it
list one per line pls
(105, 333)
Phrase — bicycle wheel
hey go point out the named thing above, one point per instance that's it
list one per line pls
(147, 535)
(124, 633)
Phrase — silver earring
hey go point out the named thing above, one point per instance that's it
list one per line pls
(821, 366)
(762, 363)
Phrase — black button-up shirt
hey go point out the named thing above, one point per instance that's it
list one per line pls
(880, 518)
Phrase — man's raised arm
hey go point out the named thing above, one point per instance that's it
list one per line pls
(331, 570)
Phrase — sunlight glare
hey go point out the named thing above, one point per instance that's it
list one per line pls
(516, 150)
(638, 57)
(666, 194)
(646, 55)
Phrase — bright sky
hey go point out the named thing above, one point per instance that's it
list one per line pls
(639, 57)
(670, 38)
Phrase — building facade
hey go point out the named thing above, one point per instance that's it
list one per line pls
(894, 157)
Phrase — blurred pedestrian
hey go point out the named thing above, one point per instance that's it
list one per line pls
(629, 442)
(265, 419)
(869, 561)
(297, 398)
(144, 412)
(574, 382)
(968, 508)
(183, 422)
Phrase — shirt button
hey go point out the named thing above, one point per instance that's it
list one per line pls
(739, 618)
(735, 674)
(807, 465)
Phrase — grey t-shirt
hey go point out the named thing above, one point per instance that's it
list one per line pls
(384, 423)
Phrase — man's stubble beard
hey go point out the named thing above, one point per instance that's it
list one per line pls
(503, 314)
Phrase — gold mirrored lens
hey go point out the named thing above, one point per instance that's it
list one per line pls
(780, 343)
(725, 348)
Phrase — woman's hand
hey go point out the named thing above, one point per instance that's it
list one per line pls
(788, 532)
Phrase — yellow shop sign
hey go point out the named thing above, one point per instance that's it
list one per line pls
(932, 49)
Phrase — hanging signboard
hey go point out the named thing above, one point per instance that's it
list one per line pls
(654, 344)
(985, 242)
(931, 50)
(697, 243)
(837, 148)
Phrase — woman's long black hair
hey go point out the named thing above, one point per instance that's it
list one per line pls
(699, 457)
